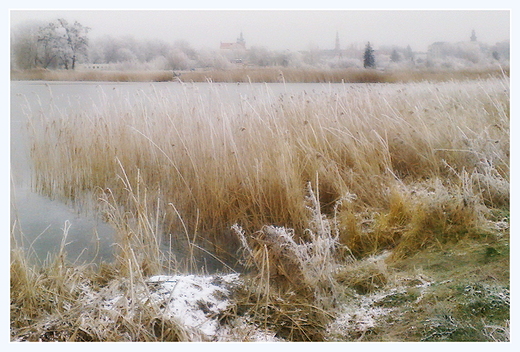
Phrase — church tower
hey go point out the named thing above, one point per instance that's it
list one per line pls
(241, 41)
(337, 47)
(473, 36)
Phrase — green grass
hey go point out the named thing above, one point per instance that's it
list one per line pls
(444, 293)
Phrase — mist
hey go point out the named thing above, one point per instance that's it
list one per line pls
(293, 30)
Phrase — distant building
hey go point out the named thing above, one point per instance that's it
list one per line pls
(240, 44)
(234, 51)
(333, 53)
(473, 36)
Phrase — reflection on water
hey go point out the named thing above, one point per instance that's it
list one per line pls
(41, 223)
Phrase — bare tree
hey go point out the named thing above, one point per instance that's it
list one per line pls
(62, 43)
(48, 46)
(76, 41)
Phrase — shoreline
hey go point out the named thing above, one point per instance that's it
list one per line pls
(263, 75)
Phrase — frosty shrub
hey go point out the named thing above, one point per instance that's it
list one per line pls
(304, 266)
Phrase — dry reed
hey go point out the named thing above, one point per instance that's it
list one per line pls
(93, 75)
(62, 301)
(350, 75)
(264, 75)
(298, 183)
(367, 150)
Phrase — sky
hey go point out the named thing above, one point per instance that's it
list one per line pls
(289, 28)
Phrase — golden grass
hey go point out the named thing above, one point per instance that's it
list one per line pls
(294, 187)
(62, 302)
(92, 75)
(409, 151)
(265, 75)
(350, 75)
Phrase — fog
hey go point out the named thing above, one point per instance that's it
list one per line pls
(288, 29)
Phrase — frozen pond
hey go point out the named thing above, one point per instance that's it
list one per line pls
(40, 220)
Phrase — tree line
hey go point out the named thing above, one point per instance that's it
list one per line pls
(62, 45)
(57, 44)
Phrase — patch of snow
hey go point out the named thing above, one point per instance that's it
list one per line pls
(245, 331)
(362, 312)
(195, 301)
(360, 315)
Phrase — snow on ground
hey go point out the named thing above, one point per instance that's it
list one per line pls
(198, 303)
(358, 316)
(195, 301)
(362, 313)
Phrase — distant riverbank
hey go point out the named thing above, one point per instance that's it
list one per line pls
(268, 75)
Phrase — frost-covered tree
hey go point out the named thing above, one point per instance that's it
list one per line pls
(178, 60)
(76, 41)
(502, 50)
(186, 48)
(126, 54)
(369, 60)
(62, 43)
(48, 46)
(108, 49)
(148, 50)
(313, 55)
(117, 50)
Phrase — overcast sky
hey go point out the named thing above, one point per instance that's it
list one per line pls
(288, 29)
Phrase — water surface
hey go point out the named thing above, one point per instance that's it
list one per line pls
(39, 222)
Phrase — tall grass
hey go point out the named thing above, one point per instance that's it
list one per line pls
(57, 301)
(350, 75)
(387, 160)
(264, 75)
(92, 75)
(292, 187)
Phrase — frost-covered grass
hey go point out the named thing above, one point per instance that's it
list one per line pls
(296, 190)
(395, 165)
(456, 294)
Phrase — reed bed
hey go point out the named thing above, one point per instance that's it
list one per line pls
(389, 162)
(350, 75)
(92, 75)
(57, 301)
(293, 189)
(266, 75)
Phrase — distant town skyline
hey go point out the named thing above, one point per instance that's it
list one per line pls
(288, 29)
